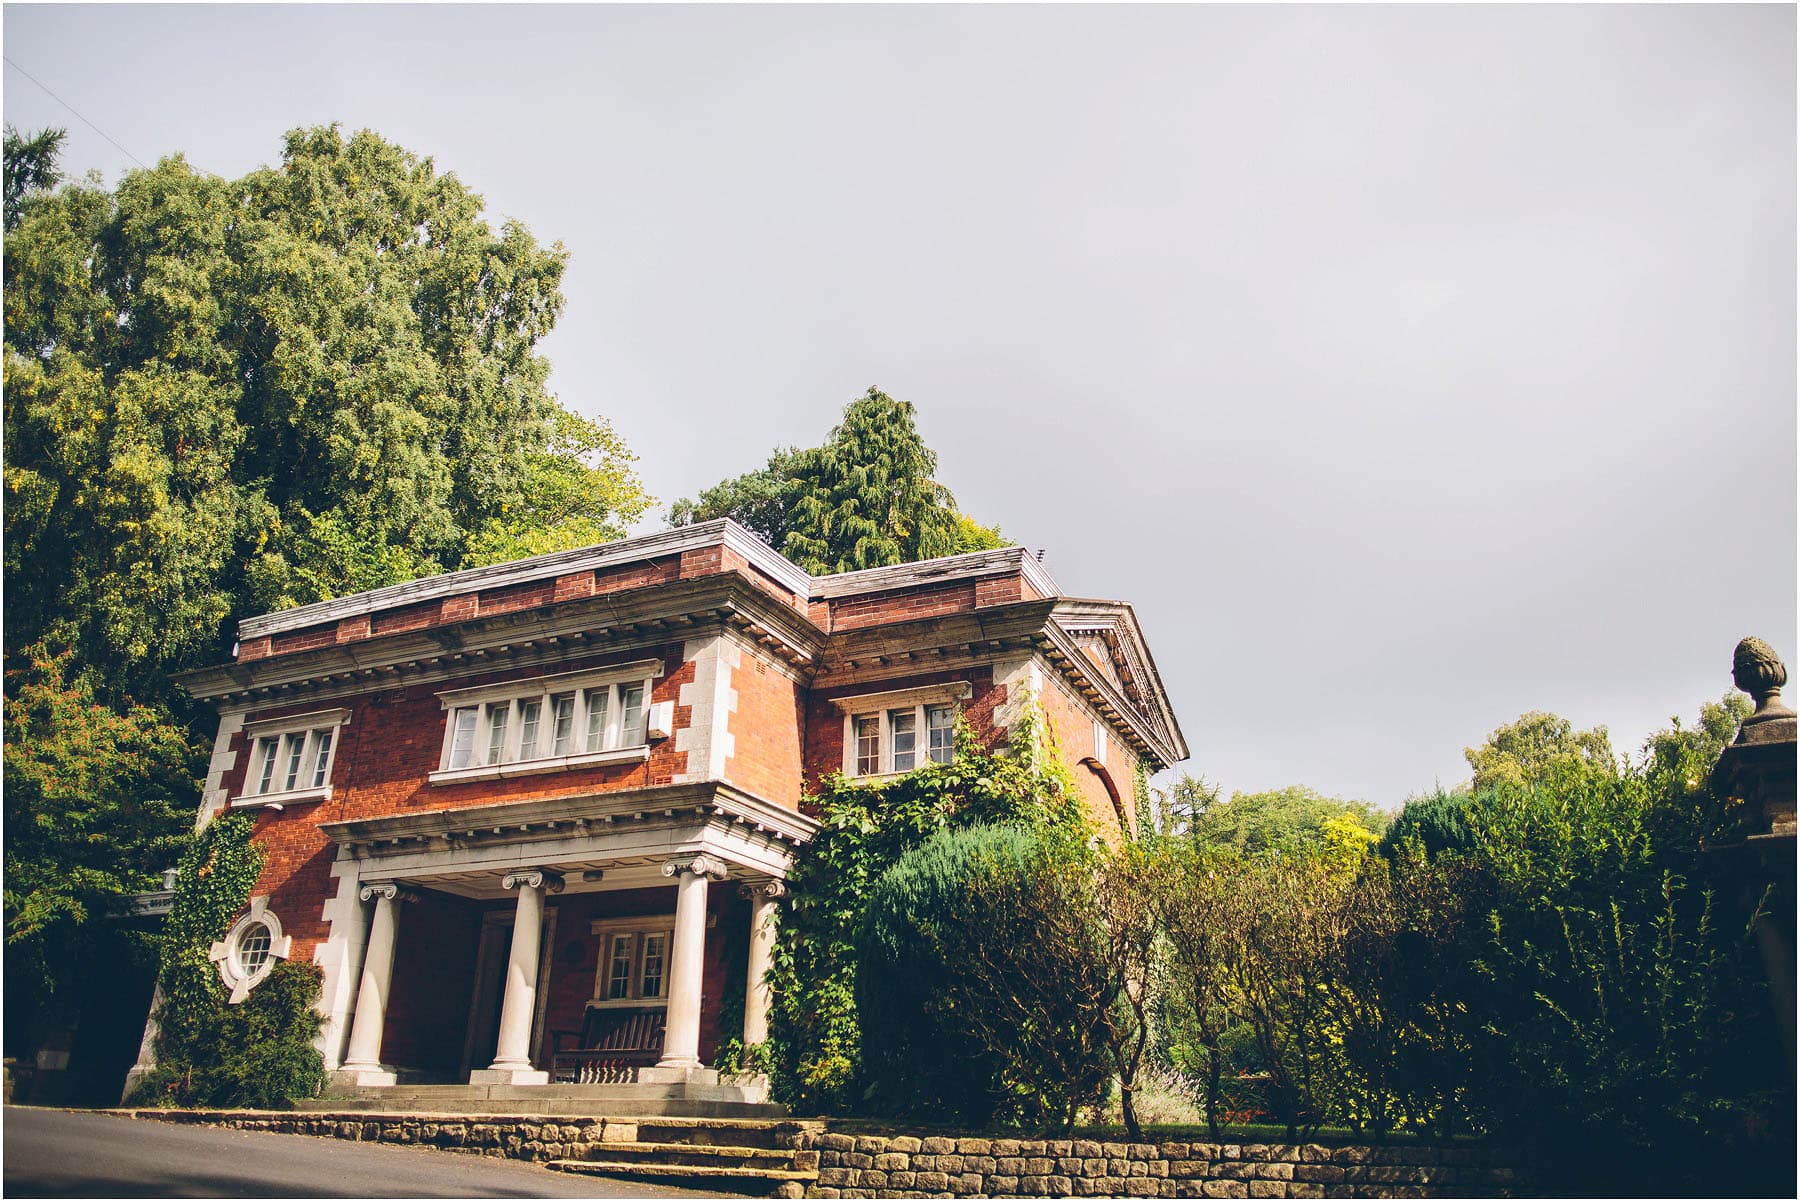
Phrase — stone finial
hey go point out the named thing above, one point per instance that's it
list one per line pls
(1758, 671)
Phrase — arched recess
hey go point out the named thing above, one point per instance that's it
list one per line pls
(1112, 791)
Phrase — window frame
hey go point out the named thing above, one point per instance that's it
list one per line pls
(268, 745)
(602, 689)
(640, 931)
(882, 707)
(227, 953)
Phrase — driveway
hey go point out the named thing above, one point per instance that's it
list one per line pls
(58, 1153)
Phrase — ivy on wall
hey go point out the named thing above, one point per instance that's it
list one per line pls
(814, 1052)
(210, 1053)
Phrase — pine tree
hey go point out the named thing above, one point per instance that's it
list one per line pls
(868, 499)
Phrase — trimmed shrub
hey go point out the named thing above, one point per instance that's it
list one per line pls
(983, 984)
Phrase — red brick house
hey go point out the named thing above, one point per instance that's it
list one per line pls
(531, 819)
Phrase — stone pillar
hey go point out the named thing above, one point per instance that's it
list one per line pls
(362, 1061)
(512, 1053)
(763, 898)
(1757, 773)
(687, 959)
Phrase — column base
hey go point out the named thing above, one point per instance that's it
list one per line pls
(360, 1075)
(674, 1074)
(509, 1076)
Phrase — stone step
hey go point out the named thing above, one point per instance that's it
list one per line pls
(720, 1155)
(760, 1180)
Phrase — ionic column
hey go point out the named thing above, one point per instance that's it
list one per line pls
(512, 1052)
(362, 1062)
(687, 958)
(763, 898)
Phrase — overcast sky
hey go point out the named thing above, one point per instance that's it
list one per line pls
(1408, 368)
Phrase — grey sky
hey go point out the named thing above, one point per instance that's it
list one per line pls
(1409, 368)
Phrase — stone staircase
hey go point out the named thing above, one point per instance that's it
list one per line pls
(762, 1159)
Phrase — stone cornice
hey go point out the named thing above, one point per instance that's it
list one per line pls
(610, 622)
(722, 532)
(1149, 731)
(582, 814)
(1118, 619)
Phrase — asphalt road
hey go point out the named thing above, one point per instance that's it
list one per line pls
(57, 1153)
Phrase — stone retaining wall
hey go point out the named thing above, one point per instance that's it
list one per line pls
(516, 1137)
(908, 1166)
(903, 1166)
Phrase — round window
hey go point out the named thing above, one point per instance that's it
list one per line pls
(252, 950)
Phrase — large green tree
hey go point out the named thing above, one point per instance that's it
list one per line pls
(229, 396)
(1527, 750)
(865, 498)
(1295, 819)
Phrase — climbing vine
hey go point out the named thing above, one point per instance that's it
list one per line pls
(815, 1043)
(209, 1052)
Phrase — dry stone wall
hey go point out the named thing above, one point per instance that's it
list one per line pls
(924, 1166)
(904, 1166)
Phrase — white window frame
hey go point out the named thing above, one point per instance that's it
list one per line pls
(226, 953)
(883, 706)
(617, 745)
(639, 930)
(311, 729)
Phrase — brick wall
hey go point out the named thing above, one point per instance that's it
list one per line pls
(902, 605)
(1072, 722)
(768, 730)
(393, 741)
(464, 607)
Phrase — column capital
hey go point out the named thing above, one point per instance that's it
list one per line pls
(701, 865)
(768, 890)
(533, 878)
(390, 890)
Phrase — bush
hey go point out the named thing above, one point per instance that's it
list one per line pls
(983, 983)
(257, 1054)
(815, 1032)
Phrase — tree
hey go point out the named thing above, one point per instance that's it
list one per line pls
(1438, 821)
(224, 397)
(30, 167)
(233, 396)
(1292, 819)
(1182, 807)
(863, 499)
(94, 809)
(759, 500)
(1527, 750)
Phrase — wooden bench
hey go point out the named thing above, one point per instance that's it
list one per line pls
(613, 1043)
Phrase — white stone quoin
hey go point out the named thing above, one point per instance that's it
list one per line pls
(512, 1052)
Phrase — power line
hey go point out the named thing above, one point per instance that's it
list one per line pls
(40, 83)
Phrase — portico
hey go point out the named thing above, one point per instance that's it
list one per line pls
(653, 872)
